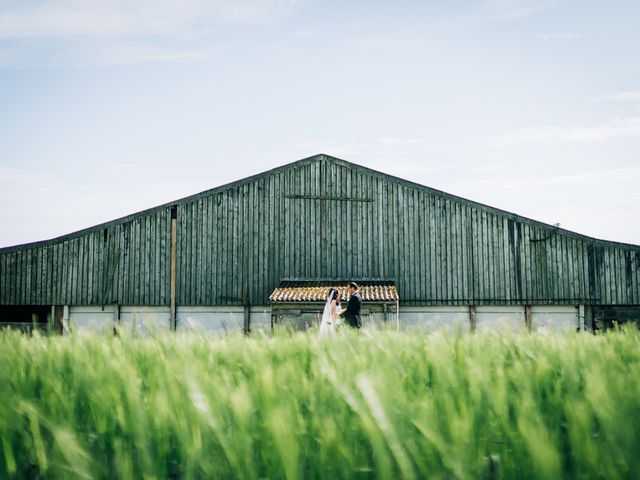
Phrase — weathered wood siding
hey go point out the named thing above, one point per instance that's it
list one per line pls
(125, 263)
(323, 218)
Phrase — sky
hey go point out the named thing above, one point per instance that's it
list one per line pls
(109, 107)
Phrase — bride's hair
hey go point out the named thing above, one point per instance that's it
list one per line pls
(332, 294)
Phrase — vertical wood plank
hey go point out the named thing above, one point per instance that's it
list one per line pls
(273, 241)
(191, 260)
(382, 228)
(174, 273)
(130, 266)
(193, 228)
(11, 279)
(263, 238)
(161, 258)
(236, 279)
(3, 281)
(182, 242)
(433, 270)
(287, 230)
(420, 247)
(36, 290)
(50, 296)
(86, 267)
(218, 247)
(243, 244)
(207, 246)
(76, 271)
(201, 252)
(456, 249)
(526, 264)
(146, 260)
(464, 256)
(279, 232)
(485, 289)
(139, 261)
(101, 270)
(89, 268)
(499, 259)
(206, 252)
(7, 276)
(154, 259)
(26, 269)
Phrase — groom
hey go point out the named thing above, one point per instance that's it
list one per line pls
(352, 313)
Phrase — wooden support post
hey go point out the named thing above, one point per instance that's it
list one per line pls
(116, 318)
(527, 317)
(581, 315)
(174, 266)
(66, 319)
(271, 308)
(589, 319)
(581, 322)
(247, 319)
(472, 317)
(57, 319)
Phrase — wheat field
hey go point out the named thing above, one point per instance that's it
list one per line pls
(380, 405)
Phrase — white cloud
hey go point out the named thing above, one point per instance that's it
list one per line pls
(382, 40)
(629, 96)
(117, 18)
(122, 53)
(596, 178)
(628, 127)
(506, 10)
(560, 36)
(357, 146)
(394, 142)
(97, 33)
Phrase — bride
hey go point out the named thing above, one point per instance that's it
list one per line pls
(330, 315)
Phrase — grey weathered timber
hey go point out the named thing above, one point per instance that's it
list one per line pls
(473, 317)
(321, 217)
(173, 274)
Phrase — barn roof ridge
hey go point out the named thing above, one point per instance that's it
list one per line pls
(552, 229)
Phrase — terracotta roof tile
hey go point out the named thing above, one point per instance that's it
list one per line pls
(317, 290)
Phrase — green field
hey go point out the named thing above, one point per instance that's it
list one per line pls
(386, 405)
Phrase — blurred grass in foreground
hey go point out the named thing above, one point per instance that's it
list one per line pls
(389, 405)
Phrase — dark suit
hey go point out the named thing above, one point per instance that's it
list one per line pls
(352, 314)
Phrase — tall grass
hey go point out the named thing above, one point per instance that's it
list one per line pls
(386, 406)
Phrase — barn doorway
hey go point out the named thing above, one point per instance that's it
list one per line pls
(25, 317)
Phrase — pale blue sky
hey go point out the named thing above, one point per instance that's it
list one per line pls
(111, 107)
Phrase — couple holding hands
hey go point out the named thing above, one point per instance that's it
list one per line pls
(333, 311)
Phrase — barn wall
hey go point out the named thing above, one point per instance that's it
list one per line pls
(327, 220)
(323, 218)
(124, 263)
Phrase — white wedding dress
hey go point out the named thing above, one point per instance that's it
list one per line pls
(327, 326)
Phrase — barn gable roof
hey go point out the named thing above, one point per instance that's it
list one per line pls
(551, 229)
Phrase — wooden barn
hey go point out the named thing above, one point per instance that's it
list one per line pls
(215, 260)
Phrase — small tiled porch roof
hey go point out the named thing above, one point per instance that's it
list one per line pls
(298, 291)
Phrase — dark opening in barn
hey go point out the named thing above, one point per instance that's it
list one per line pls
(25, 317)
